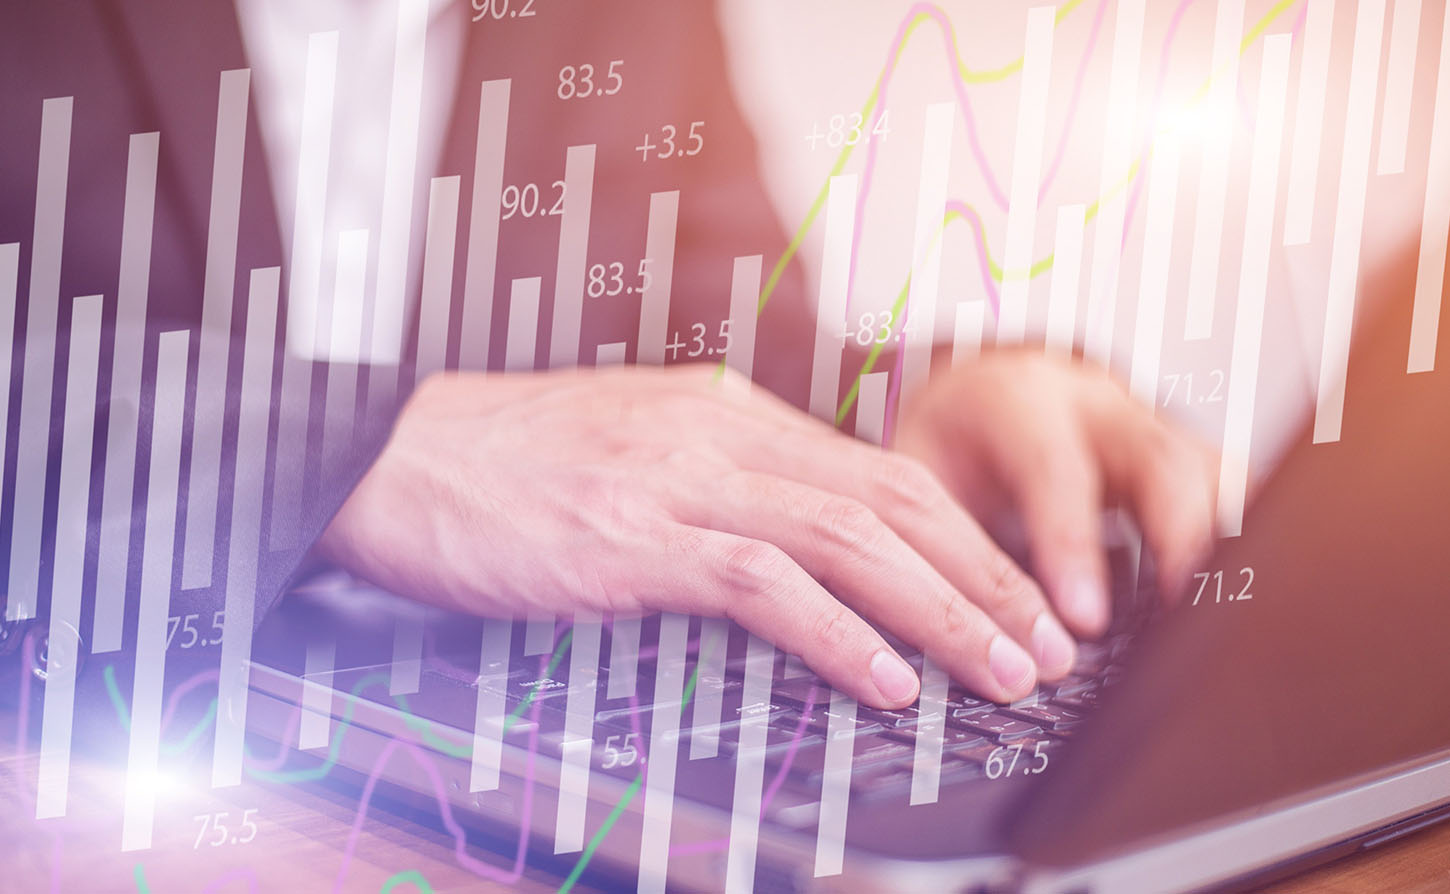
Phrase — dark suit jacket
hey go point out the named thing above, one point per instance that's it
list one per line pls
(153, 65)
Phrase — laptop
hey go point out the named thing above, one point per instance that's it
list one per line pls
(1292, 707)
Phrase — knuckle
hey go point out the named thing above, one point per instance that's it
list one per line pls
(1007, 584)
(907, 482)
(847, 523)
(835, 633)
(957, 624)
(752, 567)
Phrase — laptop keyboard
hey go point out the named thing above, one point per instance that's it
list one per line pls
(981, 740)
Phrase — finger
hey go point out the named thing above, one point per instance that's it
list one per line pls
(914, 504)
(1167, 480)
(1051, 474)
(758, 586)
(844, 545)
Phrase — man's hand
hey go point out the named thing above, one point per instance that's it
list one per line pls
(1053, 442)
(643, 489)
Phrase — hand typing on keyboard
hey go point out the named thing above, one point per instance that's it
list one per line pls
(636, 490)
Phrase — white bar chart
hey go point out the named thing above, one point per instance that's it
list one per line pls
(63, 642)
(831, 305)
(208, 413)
(578, 748)
(926, 250)
(930, 731)
(835, 786)
(481, 267)
(744, 311)
(658, 274)
(664, 754)
(488, 717)
(749, 768)
(32, 450)
(1308, 122)
(1117, 161)
(315, 727)
(118, 486)
(244, 546)
(1203, 268)
(1066, 270)
(573, 255)
(1349, 220)
(1153, 285)
(1435, 224)
(1243, 374)
(1026, 171)
(871, 407)
(143, 752)
(436, 303)
(1399, 87)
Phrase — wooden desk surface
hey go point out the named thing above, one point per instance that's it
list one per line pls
(281, 837)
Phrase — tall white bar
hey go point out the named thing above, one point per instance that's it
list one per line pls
(406, 669)
(573, 255)
(396, 221)
(481, 267)
(488, 712)
(835, 786)
(315, 727)
(436, 305)
(216, 329)
(9, 287)
(1026, 172)
(930, 732)
(664, 754)
(749, 768)
(1116, 163)
(967, 329)
(578, 747)
(624, 636)
(346, 339)
(156, 568)
(1203, 269)
(32, 446)
(1157, 258)
(308, 219)
(1243, 375)
(304, 341)
(659, 263)
(1349, 220)
(612, 353)
(1308, 122)
(709, 688)
(1399, 87)
(744, 312)
(523, 325)
(831, 307)
(63, 643)
(1435, 226)
(118, 487)
(926, 249)
(871, 407)
(244, 540)
(539, 633)
(1066, 270)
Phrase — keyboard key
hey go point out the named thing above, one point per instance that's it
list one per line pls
(892, 718)
(999, 726)
(1046, 716)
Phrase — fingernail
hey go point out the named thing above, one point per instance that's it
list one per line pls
(893, 677)
(1051, 645)
(1086, 604)
(1009, 664)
